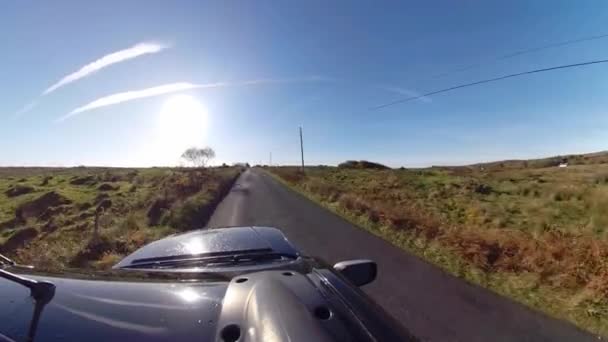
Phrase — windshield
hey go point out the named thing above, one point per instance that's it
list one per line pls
(451, 142)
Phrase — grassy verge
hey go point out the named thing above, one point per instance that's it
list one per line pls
(48, 216)
(536, 236)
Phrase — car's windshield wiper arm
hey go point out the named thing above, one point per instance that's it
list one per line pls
(7, 260)
(41, 291)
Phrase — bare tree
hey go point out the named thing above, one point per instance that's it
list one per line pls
(198, 157)
(191, 155)
(208, 154)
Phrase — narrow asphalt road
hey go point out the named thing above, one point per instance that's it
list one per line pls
(431, 304)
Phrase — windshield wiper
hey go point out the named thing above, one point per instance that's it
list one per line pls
(217, 260)
(200, 256)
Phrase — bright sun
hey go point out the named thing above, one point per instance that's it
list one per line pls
(182, 123)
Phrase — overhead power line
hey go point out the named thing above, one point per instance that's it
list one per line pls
(567, 42)
(487, 81)
(523, 52)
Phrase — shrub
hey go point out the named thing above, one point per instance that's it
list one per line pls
(190, 214)
(131, 222)
(362, 164)
(108, 259)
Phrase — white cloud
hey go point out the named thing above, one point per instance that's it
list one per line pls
(172, 88)
(105, 61)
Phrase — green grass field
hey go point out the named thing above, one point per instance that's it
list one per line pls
(535, 234)
(47, 216)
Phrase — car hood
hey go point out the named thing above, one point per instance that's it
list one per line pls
(287, 301)
(94, 310)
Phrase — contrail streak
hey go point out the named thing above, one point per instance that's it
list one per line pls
(173, 88)
(93, 67)
(134, 95)
(105, 61)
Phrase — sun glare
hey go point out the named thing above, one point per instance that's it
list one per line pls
(182, 123)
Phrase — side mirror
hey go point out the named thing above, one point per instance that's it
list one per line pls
(359, 272)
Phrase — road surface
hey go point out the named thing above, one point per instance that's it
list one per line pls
(431, 304)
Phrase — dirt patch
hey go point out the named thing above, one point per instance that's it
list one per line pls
(83, 226)
(49, 227)
(10, 224)
(84, 180)
(104, 205)
(85, 215)
(483, 189)
(53, 211)
(19, 190)
(99, 198)
(156, 210)
(111, 177)
(84, 206)
(45, 180)
(131, 175)
(39, 205)
(19, 239)
(95, 249)
(107, 187)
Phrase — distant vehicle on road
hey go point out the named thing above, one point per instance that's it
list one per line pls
(228, 284)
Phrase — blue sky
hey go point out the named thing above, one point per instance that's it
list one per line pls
(319, 64)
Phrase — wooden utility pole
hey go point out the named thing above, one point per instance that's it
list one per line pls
(302, 148)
